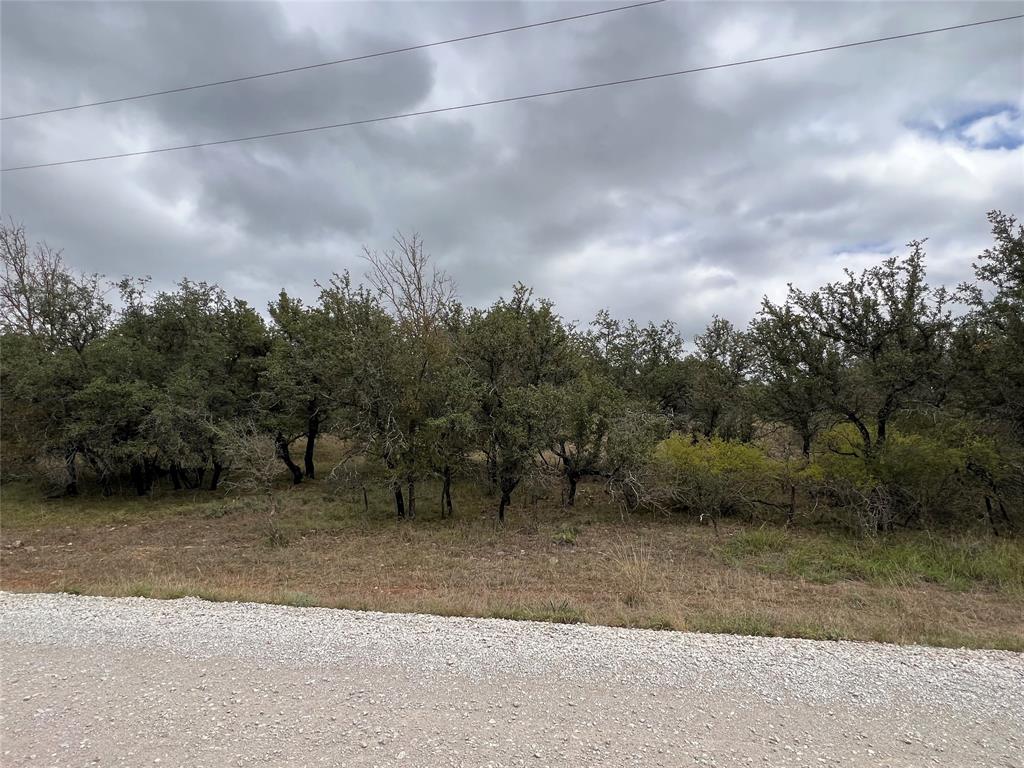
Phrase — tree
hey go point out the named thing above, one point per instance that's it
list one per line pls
(789, 358)
(365, 365)
(645, 362)
(421, 299)
(50, 318)
(42, 298)
(516, 348)
(718, 402)
(991, 339)
(193, 358)
(300, 390)
(989, 358)
(886, 336)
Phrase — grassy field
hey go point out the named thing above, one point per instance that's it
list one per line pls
(584, 565)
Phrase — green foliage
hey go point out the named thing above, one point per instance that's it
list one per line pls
(720, 400)
(713, 476)
(865, 399)
(567, 535)
(931, 477)
(901, 560)
(518, 351)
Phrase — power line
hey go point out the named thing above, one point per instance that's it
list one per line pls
(334, 62)
(510, 99)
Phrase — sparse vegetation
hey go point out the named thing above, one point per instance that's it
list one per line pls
(856, 452)
(907, 587)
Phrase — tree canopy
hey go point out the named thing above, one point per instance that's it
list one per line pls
(863, 395)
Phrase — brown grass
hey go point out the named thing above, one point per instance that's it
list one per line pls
(588, 564)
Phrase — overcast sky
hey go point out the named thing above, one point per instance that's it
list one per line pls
(676, 198)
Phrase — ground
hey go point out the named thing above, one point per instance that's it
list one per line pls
(592, 564)
(229, 684)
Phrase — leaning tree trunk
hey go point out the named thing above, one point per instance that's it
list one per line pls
(101, 474)
(507, 486)
(312, 431)
(446, 493)
(988, 514)
(71, 487)
(399, 501)
(492, 473)
(573, 480)
(285, 455)
(506, 498)
(412, 498)
(218, 468)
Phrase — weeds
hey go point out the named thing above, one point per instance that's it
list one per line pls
(632, 562)
(587, 566)
(566, 536)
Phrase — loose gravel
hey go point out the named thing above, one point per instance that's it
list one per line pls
(132, 681)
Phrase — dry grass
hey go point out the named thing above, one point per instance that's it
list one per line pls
(632, 565)
(547, 564)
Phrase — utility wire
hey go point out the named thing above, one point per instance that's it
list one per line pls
(510, 99)
(335, 62)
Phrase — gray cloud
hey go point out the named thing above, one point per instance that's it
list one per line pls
(676, 198)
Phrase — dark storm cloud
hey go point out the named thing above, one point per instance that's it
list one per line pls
(676, 198)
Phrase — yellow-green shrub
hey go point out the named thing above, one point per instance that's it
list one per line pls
(712, 477)
(929, 478)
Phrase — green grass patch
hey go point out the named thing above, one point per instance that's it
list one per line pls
(761, 625)
(554, 611)
(24, 505)
(566, 536)
(900, 559)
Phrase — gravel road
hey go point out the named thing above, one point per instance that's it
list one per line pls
(100, 681)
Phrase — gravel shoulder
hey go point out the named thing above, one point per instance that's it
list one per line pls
(131, 681)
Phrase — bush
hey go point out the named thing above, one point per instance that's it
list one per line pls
(714, 477)
(932, 479)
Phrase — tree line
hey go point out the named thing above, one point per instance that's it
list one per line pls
(877, 400)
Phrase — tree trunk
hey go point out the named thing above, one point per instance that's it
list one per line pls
(366, 502)
(506, 498)
(285, 455)
(492, 473)
(312, 430)
(865, 435)
(988, 513)
(805, 449)
(218, 468)
(880, 438)
(148, 474)
(175, 477)
(399, 501)
(712, 423)
(139, 478)
(1005, 514)
(791, 513)
(71, 487)
(412, 499)
(101, 474)
(446, 493)
(573, 480)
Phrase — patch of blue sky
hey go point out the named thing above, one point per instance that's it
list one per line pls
(992, 127)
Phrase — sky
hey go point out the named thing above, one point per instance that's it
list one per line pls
(674, 199)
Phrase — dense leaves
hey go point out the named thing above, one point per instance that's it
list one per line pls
(867, 400)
